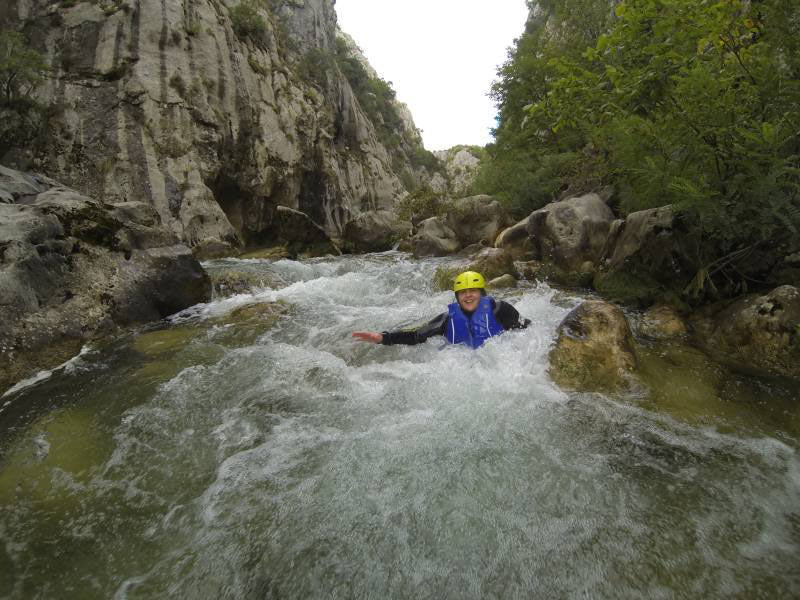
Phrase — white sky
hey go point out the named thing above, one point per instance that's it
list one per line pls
(441, 57)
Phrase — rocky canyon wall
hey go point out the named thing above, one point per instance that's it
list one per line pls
(213, 111)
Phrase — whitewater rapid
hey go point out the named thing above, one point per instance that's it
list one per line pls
(300, 463)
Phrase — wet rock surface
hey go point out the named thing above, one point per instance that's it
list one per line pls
(594, 349)
(71, 268)
(434, 238)
(758, 330)
(374, 231)
(648, 258)
(662, 322)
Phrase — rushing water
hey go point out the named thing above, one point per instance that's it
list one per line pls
(273, 456)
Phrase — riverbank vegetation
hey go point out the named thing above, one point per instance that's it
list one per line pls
(694, 103)
(21, 70)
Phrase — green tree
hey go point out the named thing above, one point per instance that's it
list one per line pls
(21, 71)
(688, 102)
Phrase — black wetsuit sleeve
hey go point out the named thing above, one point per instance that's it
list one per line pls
(508, 316)
(410, 337)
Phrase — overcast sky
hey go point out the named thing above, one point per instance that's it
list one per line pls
(441, 57)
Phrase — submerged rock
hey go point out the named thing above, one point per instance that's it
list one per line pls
(71, 268)
(229, 282)
(662, 322)
(594, 349)
(761, 331)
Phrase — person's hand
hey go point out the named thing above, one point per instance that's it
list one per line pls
(368, 336)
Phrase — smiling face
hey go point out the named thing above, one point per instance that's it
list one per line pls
(468, 299)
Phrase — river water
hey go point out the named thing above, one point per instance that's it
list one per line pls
(266, 454)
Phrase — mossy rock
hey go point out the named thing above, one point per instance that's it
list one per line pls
(444, 277)
(232, 282)
(594, 349)
(489, 262)
(504, 281)
(155, 344)
(28, 362)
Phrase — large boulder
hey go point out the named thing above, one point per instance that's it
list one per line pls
(516, 241)
(374, 231)
(757, 330)
(566, 237)
(570, 236)
(434, 238)
(594, 349)
(72, 267)
(649, 258)
(476, 219)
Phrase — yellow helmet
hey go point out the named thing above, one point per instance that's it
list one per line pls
(468, 280)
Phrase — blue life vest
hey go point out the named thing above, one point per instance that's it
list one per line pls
(475, 329)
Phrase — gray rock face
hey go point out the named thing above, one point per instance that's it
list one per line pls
(168, 103)
(649, 258)
(460, 168)
(571, 233)
(476, 219)
(594, 349)
(761, 331)
(374, 231)
(70, 268)
(516, 241)
(434, 238)
(567, 236)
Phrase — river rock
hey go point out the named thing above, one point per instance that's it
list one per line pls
(71, 268)
(570, 235)
(493, 263)
(477, 219)
(374, 231)
(504, 281)
(230, 282)
(434, 238)
(662, 322)
(758, 330)
(489, 262)
(649, 258)
(594, 349)
(516, 241)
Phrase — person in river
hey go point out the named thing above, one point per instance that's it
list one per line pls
(472, 319)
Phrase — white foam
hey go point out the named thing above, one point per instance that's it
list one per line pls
(69, 366)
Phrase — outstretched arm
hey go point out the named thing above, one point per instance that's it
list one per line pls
(368, 336)
(407, 337)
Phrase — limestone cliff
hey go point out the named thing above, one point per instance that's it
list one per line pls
(213, 111)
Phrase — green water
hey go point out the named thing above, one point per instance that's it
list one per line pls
(250, 449)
